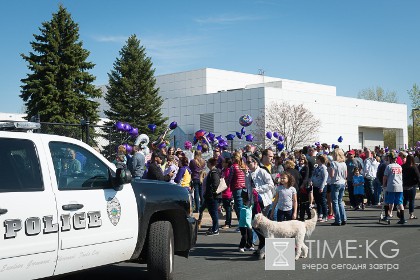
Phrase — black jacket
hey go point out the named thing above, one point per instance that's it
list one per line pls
(304, 173)
(212, 183)
(411, 175)
(154, 172)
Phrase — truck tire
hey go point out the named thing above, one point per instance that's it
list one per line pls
(160, 258)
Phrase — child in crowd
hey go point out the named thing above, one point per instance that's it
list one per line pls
(285, 199)
(359, 190)
(227, 194)
(245, 224)
(171, 166)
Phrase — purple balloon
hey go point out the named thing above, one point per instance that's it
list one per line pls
(222, 143)
(269, 135)
(239, 135)
(152, 127)
(280, 146)
(187, 145)
(418, 143)
(162, 145)
(281, 138)
(243, 130)
(249, 137)
(245, 120)
(276, 134)
(210, 137)
(195, 140)
(173, 125)
(134, 131)
(230, 136)
(127, 127)
(119, 126)
(220, 138)
(340, 139)
(333, 146)
(199, 148)
(128, 148)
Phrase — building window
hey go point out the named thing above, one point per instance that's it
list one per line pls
(207, 122)
(361, 139)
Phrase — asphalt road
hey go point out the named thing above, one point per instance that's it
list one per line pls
(370, 247)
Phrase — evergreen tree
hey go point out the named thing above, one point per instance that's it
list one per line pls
(59, 88)
(132, 95)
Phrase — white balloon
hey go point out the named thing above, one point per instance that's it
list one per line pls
(142, 140)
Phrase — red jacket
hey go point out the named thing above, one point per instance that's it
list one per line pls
(237, 178)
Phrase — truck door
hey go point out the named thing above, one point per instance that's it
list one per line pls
(99, 225)
(28, 212)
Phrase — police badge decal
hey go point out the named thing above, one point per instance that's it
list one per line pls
(114, 211)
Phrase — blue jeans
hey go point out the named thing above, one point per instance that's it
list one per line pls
(198, 193)
(369, 190)
(377, 190)
(284, 215)
(237, 199)
(213, 206)
(337, 192)
(228, 208)
(350, 189)
(321, 202)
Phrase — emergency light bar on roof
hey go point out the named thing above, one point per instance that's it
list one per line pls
(19, 126)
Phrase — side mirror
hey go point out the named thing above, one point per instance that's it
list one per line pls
(123, 176)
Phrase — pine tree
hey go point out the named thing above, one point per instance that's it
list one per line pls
(132, 95)
(59, 88)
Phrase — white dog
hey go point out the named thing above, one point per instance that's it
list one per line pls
(286, 229)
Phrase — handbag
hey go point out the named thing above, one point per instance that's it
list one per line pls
(222, 186)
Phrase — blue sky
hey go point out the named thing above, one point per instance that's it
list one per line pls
(352, 45)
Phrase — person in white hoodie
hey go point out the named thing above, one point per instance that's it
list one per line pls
(370, 169)
(260, 180)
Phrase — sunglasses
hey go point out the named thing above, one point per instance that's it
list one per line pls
(249, 162)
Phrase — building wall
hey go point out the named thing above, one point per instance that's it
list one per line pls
(229, 95)
(12, 117)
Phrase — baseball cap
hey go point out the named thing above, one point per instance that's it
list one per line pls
(392, 155)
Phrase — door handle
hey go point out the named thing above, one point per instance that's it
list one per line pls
(3, 211)
(72, 206)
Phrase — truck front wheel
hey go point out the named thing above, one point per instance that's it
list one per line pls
(160, 258)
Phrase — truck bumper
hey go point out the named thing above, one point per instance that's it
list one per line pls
(193, 229)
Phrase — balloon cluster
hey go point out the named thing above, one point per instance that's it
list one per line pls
(126, 127)
(202, 137)
(132, 132)
(245, 121)
(279, 142)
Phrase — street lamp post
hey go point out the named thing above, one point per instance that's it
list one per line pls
(413, 113)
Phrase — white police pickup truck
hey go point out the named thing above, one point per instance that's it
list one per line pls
(64, 208)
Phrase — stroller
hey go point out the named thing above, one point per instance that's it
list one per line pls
(383, 214)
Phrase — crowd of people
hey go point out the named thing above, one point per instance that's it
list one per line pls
(283, 185)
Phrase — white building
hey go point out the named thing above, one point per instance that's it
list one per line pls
(213, 100)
